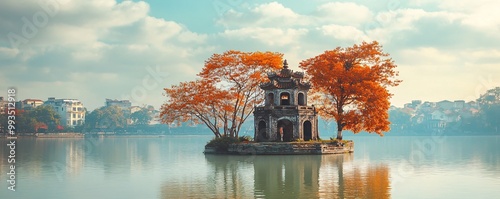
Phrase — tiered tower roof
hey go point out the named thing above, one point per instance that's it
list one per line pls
(285, 79)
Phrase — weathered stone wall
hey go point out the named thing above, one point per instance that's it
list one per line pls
(272, 115)
(287, 148)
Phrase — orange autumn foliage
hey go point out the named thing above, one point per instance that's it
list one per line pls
(350, 84)
(196, 101)
(226, 94)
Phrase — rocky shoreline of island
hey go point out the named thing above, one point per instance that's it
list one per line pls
(284, 148)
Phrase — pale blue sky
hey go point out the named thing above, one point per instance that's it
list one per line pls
(98, 49)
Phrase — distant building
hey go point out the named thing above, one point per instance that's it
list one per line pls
(445, 105)
(134, 109)
(459, 104)
(3, 105)
(413, 105)
(438, 120)
(408, 105)
(438, 115)
(123, 104)
(416, 102)
(71, 111)
(32, 103)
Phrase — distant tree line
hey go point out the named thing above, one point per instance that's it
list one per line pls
(32, 120)
(44, 119)
(485, 121)
(115, 119)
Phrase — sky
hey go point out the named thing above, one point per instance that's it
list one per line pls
(94, 50)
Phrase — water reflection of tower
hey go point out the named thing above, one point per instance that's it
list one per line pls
(286, 176)
(327, 176)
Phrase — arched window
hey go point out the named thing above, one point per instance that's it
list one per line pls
(301, 100)
(270, 99)
(285, 98)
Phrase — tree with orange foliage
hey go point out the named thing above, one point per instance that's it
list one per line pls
(198, 101)
(350, 84)
(226, 94)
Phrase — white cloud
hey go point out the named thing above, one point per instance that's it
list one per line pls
(348, 33)
(389, 24)
(8, 53)
(92, 51)
(344, 13)
(263, 15)
(481, 14)
(275, 10)
(423, 55)
(107, 13)
(276, 14)
(268, 36)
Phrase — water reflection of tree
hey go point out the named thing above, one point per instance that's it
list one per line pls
(373, 183)
(318, 177)
(314, 176)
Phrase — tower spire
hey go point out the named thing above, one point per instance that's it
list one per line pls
(285, 64)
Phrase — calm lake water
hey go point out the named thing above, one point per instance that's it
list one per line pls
(175, 167)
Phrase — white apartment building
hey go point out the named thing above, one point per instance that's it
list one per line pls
(72, 111)
(33, 103)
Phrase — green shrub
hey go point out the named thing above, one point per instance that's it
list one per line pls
(338, 142)
(221, 144)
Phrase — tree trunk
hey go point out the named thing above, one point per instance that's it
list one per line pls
(217, 135)
(339, 135)
(339, 130)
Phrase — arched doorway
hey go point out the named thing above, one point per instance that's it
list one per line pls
(285, 130)
(262, 133)
(307, 127)
(301, 100)
(285, 98)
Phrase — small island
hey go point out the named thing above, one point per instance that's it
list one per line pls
(285, 124)
(348, 85)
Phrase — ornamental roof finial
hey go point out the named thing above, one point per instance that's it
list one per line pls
(285, 64)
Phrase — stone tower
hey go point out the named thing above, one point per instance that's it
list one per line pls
(285, 116)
